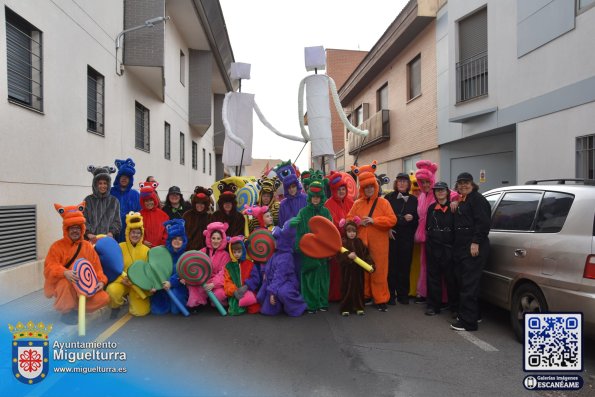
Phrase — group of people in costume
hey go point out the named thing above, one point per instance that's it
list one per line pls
(450, 227)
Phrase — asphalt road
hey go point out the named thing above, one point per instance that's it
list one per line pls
(399, 353)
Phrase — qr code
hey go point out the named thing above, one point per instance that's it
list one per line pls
(553, 342)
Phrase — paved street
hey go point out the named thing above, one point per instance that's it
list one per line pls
(399, 353)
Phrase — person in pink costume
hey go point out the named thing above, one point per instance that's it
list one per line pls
(216, 241)
(426, 177)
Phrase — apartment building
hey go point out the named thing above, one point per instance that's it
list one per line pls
(89, 82)
(392, 93)
(339, 66)
(516, 90)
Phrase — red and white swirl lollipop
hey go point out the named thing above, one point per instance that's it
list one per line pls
(261, 245)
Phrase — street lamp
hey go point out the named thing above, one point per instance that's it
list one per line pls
(149, 23)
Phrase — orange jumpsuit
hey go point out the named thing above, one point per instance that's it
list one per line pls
(56, 285)
(374, 236)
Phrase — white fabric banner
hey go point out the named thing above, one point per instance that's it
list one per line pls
(319, 115)
(239, 116)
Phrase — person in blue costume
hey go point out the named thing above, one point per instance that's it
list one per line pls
(176, 245)
(128, 197)
(280, 288)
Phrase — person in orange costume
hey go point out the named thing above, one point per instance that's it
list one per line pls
(373, 231)
(58, 273)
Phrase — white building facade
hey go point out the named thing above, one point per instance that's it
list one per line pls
(516, 90)
(72, 100)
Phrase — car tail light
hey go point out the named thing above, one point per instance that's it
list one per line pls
(589, 267)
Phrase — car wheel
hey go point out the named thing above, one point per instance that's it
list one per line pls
(527, 298)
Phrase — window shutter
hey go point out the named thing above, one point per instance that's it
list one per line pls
(18, 48)
(18, 235)
(473, 35)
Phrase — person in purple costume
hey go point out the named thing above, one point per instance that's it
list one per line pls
(295, 199)
(280, 290)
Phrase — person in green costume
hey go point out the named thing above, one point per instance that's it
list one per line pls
(314, 272)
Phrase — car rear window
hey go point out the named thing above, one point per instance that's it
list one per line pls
(553, 211)
(516, 211)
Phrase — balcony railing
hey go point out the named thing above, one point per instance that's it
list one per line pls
(379, 127)
(472, 77)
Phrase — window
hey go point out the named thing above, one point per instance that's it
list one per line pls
(582, 4)
(141, 128)
(182, 68)
(516, 211)
(472, 68)
(24, 62)
(194, 156)
(204, 161)
(182, 149)
(409, 163)
(414, 78)
(382, 98)
(585, 157)
(359, 116)
(167, 141)
(492, 199)
(210, 165)
(95, 95)
(553, 211)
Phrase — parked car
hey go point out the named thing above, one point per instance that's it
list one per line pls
(542, 256)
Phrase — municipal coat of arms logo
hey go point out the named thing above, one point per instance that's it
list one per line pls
(30, 351)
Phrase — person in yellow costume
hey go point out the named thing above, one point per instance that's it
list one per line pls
(132, 250)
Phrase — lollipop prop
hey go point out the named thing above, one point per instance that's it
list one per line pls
(87, 285)
(261, 245)
(195, 268)
(325, 241)
(112, 262)
(152, 274)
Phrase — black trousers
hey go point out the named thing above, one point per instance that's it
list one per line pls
(468, 271)
(400, 254)
(440, 267)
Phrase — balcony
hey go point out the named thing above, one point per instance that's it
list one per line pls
(472, 77)
(379, 127)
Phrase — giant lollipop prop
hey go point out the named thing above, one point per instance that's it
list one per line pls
(261, 245)
(152, 274)
(195, 268)
(112, 262)
(87, 285)
(325, 241)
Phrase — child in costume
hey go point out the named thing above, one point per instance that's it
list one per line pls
(237, 271)
(314, 272)
(352, 281)
(267, 197)
(176, 244)
(154, 217)
(132, 250)
(339, 204)
(280, 288)
(216, 241)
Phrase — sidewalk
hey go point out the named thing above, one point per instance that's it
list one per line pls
(36, 307)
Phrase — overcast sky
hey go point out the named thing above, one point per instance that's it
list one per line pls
(271, 36)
